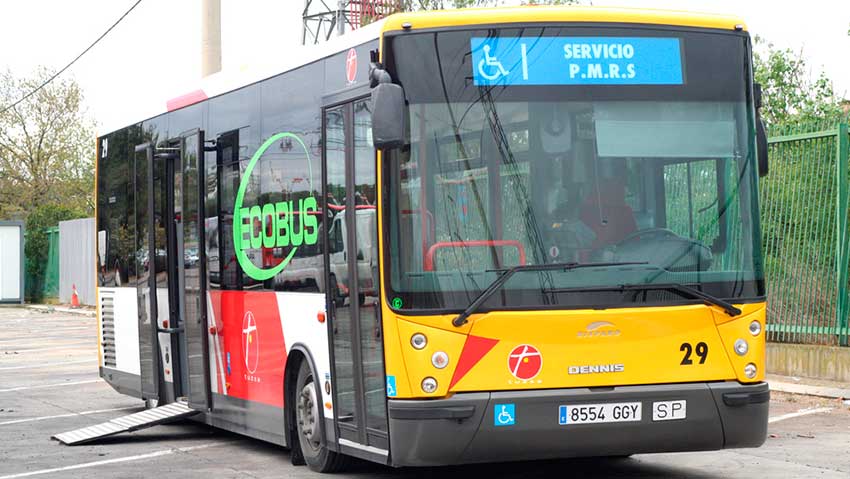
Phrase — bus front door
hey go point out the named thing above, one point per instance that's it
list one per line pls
(352, 271)
(169, 256)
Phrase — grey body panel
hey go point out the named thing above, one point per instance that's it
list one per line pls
(250, 418)
(125, 383)
(710, 424)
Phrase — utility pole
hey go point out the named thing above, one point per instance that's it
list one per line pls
(210, 37)
(340, 19)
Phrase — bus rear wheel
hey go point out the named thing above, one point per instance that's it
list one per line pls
(308, 419)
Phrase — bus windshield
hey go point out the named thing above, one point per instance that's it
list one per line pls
(632, 148)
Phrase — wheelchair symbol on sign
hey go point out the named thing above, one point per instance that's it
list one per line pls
(491, 61)
(391, 389)
(505, 416)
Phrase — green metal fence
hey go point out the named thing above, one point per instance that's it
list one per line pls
(51, 273)
(48, 286)
(804, 213)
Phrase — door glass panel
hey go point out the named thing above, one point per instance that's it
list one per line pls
(365, 198)
(195, 330)
(143, 266)
(176, 285)
(339, 285)
(160, 217)
(164, 239)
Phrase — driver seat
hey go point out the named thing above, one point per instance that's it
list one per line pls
(607, 213)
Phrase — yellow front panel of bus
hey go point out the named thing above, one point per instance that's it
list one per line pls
(513, 350)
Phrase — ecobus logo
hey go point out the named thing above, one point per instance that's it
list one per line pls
(283, 224)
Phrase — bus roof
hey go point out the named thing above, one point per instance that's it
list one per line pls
(538, 14)
(230, 80)
(226, 81)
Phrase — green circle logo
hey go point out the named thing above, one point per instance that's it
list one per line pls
(397, 303)
(282, 224)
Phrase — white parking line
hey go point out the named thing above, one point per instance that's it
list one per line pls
(801, 412)
(75, 345)
(62, 363)
(54, 385)
(83, 413)
(139, 457)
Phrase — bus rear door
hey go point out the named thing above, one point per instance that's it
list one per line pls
(170, 255)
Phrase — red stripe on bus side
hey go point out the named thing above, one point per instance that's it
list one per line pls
(185, 100)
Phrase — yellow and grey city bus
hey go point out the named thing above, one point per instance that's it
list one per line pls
(450, 237)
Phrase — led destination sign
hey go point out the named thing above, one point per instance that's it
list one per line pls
(576, 61)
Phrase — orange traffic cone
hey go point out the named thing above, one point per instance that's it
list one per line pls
(75, 300)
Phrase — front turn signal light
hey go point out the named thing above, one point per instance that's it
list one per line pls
(440, 359)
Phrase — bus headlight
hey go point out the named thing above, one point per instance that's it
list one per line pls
(741, 347)
(755, 328)
(750, 370)
(418, 341)
(440, 359)
(429, 385)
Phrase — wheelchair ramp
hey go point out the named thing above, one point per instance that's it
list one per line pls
(133, 422)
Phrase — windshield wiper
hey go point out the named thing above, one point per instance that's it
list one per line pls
(708, 299)
(482, 298)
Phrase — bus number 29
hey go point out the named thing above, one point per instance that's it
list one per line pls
(701, 350)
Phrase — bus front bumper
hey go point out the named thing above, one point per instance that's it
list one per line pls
(468, 428)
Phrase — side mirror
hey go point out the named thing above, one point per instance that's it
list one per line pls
(761, 146)
(387, 115)
(761, 134)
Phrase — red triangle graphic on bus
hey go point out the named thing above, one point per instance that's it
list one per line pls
(474, 349)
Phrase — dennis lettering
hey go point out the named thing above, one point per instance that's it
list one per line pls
(597, 368)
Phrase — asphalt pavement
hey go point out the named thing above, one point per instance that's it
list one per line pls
(49, 384)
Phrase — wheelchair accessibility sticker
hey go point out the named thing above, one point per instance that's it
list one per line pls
(504, 415)
(391, 390)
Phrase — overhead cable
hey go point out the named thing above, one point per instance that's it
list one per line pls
(53, 77)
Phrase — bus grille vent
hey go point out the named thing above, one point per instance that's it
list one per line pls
(107, 333)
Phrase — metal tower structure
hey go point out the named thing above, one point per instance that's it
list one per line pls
(323, 19)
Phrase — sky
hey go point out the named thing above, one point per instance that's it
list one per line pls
(154, 54)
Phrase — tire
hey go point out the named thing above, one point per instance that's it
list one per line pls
(308, 425)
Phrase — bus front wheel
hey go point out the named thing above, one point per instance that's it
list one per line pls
(308, 419)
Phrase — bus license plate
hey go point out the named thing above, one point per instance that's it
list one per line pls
(599, 413)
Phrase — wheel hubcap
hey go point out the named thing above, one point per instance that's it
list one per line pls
(308, 414)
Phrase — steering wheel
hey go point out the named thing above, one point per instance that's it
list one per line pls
(648, 233)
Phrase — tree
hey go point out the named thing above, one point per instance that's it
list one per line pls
(46, 146)
(789, 94)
